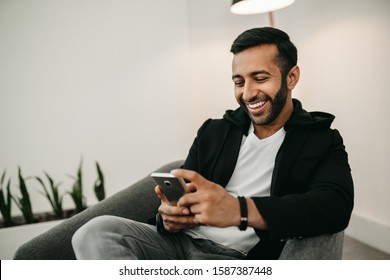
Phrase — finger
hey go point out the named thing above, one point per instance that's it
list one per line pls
(190, 199)
(160, 194)
(192, 176)
(166, 209)
(191, 188)
(178, 219)
(171, 211)
(196, 209)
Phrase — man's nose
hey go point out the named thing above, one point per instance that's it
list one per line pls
(250, 92)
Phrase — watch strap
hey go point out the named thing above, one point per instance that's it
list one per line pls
(244, 213)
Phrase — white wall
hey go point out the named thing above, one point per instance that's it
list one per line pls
(106, 79)
(344, 54)
(101, 80)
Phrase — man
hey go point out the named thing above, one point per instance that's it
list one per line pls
(266, 172)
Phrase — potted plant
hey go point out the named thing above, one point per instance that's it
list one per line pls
(29, 225)
(6, 201)
(23, 202)
(53, 195)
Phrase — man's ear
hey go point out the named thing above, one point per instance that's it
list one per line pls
(293, 77)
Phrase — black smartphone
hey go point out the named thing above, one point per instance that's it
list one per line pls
(172, 186)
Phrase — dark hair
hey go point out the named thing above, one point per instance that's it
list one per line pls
(287, 53)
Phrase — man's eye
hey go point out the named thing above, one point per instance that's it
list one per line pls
(261, 79)
(239, 83)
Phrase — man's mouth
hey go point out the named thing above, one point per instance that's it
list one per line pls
(256, 105)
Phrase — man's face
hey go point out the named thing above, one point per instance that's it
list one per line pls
(258, 83)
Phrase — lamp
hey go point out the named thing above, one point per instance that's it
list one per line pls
(250, 7)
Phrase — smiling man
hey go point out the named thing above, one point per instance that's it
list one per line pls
(264, 173)
(262, 89)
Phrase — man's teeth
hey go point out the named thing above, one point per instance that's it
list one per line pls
(256, 105)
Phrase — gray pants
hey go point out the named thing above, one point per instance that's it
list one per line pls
(110, 237)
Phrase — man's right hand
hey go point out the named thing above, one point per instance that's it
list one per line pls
(174, 218)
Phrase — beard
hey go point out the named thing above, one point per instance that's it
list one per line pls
(277, 105)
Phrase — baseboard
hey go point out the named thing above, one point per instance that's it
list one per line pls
(370, 232)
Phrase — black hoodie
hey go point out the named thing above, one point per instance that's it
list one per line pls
(311, 188)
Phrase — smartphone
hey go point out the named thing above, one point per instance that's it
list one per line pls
(172, 186)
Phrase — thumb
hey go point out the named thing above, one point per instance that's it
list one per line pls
(160, 194)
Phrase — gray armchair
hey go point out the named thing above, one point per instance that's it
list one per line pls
(139, 202)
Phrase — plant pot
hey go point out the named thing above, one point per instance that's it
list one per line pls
(11, 238)
(39, 218)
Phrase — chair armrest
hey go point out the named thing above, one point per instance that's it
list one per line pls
(137, 202)
(323, 247)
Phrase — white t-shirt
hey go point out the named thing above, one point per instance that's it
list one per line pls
(251, 177)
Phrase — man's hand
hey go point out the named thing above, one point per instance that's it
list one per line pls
(174, 218)
(210, 204)
(207, 204)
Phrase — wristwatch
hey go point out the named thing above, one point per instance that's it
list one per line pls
(244, 213)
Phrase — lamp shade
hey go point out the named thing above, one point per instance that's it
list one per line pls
(248, 7)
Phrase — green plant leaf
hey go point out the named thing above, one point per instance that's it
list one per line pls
(99, 184)
(24, 202)
(2, 178)
(9, 198)
(77, 190)
(6, 203)
(53, 195)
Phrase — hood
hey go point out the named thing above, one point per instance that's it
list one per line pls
(299, 118)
